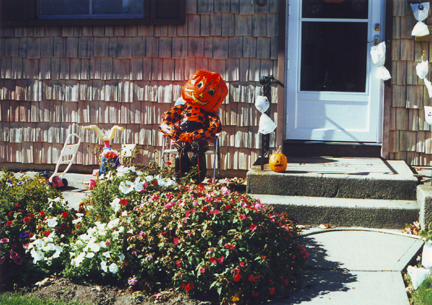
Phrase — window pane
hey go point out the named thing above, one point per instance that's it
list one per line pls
(352, 9)
(334, 56)
(117, 7)
(63, 7)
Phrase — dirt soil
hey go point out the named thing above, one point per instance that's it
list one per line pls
(62, 289)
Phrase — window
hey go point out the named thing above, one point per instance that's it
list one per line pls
(85, 9)
(91, 12)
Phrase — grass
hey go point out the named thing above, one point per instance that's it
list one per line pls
(19, 299)
(423, 294)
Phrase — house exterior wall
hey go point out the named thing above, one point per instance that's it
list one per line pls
(409, 136)
(56, 79)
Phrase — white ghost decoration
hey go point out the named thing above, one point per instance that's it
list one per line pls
(421, 11)
(378, 58)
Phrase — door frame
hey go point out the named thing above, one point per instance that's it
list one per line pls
(383, 92)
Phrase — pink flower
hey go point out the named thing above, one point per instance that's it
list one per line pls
(178, 263)
(212, 260)
(2, 260)
(202, 270)
(4, 240)
(132, 281)
(176, 241)
(13, 255)
(242, 217)
(220, 259)
(169, 205)
(157, 295)
(253, 227)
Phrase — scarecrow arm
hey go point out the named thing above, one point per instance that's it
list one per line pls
(168, 122)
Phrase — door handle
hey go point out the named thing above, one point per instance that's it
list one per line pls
(376, 40)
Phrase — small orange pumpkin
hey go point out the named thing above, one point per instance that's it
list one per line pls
(278, 161)
(206, 90)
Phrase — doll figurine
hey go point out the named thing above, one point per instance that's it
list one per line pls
(192, 123)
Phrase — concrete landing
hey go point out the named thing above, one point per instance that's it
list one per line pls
(371, 178)
(346, 212)
(355, 266)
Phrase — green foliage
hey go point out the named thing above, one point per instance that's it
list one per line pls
(24, 203)
(141, 228)
(18, 299)
(426, 234)
(423, 294)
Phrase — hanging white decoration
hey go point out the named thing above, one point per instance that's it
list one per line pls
(421, 11)
(422, 69)
(428, 86)
(266, 125)
(418, 275)
(378, 58)
(427, 255)
(428, 114)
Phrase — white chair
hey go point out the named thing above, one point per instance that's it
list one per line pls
(67, 155)
(172, 150)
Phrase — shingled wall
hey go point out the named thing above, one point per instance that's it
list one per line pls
(409, 134)
(56, 79)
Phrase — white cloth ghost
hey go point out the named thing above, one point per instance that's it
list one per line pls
(421, 11)
(378, 58)
(418, 275)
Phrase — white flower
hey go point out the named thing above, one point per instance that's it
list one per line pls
(113, 268)
(103, 266)
(37, 255)
(121, 257)
(107, 254)
(138, 187)
(124, 213)
(94, 247)
(90, 255)
(149, 178)
(139, 173)
(124, 188)
(52, 222)
(78, 260)
(115, 204)
(113, 223)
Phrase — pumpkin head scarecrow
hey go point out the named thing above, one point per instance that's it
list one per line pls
(192, 124)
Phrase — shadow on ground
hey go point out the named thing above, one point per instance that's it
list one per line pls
(318, 281)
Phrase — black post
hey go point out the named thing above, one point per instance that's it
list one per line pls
(266, 82)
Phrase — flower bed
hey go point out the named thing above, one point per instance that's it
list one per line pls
(151, 234)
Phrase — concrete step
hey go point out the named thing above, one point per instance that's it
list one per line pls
(371, 178)
(345, 212)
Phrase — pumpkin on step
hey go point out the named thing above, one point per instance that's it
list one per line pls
(278, 161)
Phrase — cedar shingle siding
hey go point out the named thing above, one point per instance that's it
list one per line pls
(55, 79)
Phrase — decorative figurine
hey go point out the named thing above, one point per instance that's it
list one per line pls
(192, 124)
(109, 157)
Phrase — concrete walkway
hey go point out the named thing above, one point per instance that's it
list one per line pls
(352, 266)
(355, 266)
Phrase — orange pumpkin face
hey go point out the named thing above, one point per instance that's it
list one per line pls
(278, 161)
(206, 90)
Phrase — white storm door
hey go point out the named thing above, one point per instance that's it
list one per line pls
(333, 94)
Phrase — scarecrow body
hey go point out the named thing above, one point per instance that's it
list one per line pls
(192, 124)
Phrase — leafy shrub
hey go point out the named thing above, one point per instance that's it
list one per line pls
(24, 204)
(142, 229)
(202, 240)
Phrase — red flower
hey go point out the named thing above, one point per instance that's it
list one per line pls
(17, 205)
(189, 287)
(255, 294)
(154, 182)
(26, 220)
(42, 213)
(9, 223)
(18, 260)
(251, 278)
(272, 291)
(204, 209)
(253, 227)
(124, 202)
(237, 277)
(212, 260)
(242, 264)
(242, 217)
(31, 215)
(168, 163)
(46, 233)
(4, 240)
(286, 282)
(178, 263)
(202, 270)
(10, 214)
(65, 215)
(227, 207)
(220, 259)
